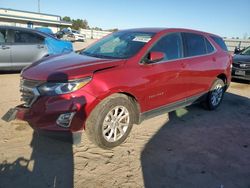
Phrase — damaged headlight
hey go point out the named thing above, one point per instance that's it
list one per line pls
(57, 88)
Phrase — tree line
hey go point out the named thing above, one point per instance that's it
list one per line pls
(83, 24)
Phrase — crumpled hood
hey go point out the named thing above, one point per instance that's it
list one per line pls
(67, 67)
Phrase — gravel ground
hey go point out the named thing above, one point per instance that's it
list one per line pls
(190, 147)
(81, 45)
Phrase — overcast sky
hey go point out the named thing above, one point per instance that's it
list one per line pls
(225, 18)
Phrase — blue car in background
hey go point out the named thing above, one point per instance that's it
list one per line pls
(19, 47)
(46, 30)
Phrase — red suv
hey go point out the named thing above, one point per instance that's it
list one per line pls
(122, 79)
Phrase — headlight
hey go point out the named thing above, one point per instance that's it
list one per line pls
(52, 88)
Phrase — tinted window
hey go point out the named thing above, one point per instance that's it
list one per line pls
(209, 46)
(246, 51)
(170, 45)
(195, 44)
(27, 37)
(220, 42)
(2, 36)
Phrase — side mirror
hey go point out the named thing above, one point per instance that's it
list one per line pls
(154, 57)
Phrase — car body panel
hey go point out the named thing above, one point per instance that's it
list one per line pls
(20, 58)
(5, 54)
(242, 58)
(71, 64)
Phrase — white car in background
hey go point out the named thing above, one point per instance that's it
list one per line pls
(78, 35)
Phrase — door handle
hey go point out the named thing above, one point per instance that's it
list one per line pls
(5, 47)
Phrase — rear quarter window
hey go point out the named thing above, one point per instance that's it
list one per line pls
(220, 42)
(209, 46)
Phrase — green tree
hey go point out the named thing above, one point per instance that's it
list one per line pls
(79, 23)
(66, 19)
(97, 28)
(113, 30)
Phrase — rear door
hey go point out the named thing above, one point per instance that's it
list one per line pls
(199, 63)
(27, 48)
(5, 50)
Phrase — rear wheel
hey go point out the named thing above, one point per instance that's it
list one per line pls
(215, 94)
(110, 123)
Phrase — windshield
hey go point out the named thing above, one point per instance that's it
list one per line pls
(119, 45)
(246, 51)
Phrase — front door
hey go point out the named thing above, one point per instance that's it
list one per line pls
(27, 48)
(166, 81)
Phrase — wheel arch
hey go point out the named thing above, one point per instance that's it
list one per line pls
(223, 77)
(136, 106)
(131, 97)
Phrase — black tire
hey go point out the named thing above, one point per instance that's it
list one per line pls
(209, 103)
(95, 122)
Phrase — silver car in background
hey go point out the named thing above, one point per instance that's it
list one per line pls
(19, 47)
(78, 36)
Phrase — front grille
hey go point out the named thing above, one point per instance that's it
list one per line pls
(239, 65)
(29, 92)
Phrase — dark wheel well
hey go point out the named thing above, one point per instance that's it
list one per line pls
(223, 77)
(136, 106)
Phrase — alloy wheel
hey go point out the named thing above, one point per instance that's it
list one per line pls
(115, 124)
(216, 94)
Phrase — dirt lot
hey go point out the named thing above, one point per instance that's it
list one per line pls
(81, 45)
(191, 147)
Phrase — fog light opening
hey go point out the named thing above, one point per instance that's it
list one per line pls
(64, 120)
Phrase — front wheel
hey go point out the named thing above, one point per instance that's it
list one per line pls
(215, 94)
(110, 123)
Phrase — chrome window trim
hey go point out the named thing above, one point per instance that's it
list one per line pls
(182, 58)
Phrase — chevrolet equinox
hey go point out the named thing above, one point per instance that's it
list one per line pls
(121, 80)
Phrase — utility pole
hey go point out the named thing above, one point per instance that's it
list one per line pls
(39, 6)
